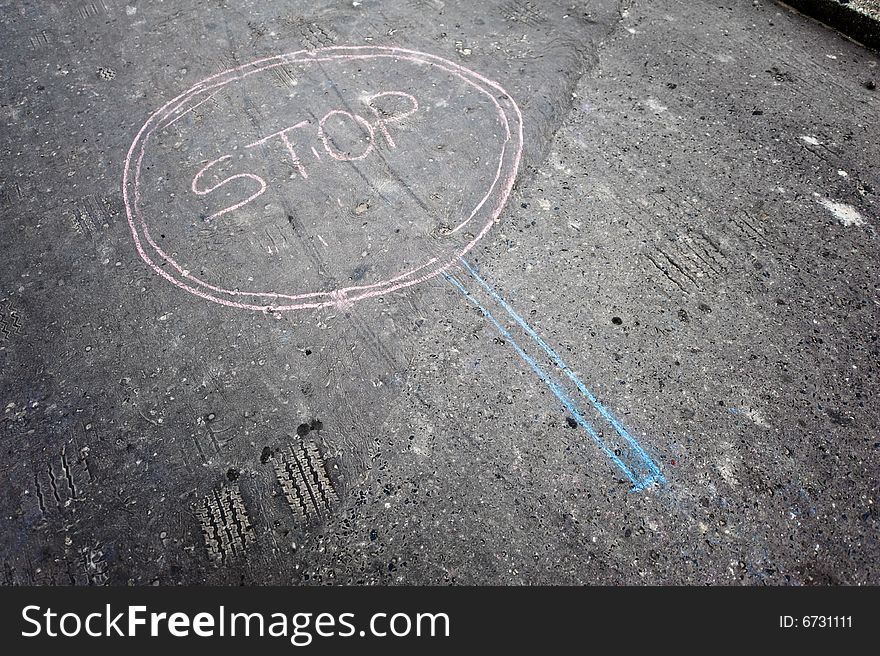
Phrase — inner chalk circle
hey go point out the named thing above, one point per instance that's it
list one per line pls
(441, 253)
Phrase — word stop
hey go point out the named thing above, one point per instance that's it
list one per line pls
(291, 138)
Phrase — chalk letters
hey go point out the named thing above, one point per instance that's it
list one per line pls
(205, 192)
(382, 119)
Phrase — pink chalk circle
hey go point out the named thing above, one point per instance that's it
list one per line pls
(413, 264)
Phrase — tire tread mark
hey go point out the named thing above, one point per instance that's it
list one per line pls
(319, 472)
(9, 578)
(292, 493)
(302, 474)
(226, 527)
(39, 492)
(681, 269)
(54, 483)
(665, 271)
(748, 229)
(311, 494)
(71, 487)
(10, 320)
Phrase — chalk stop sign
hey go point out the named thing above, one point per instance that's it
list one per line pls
(321, 177)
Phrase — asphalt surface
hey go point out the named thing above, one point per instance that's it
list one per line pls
(238, 344)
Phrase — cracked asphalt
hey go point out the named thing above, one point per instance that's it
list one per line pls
(235, 356)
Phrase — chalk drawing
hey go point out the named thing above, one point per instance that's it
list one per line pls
(205, 192)
(626, 454)
(383, 118)
(508, 117)
(282, 134)
(331, 150)
(612, 438)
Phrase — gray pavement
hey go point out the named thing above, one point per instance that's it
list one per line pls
(231, 355)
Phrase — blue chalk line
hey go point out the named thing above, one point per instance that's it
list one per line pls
(654, 474)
